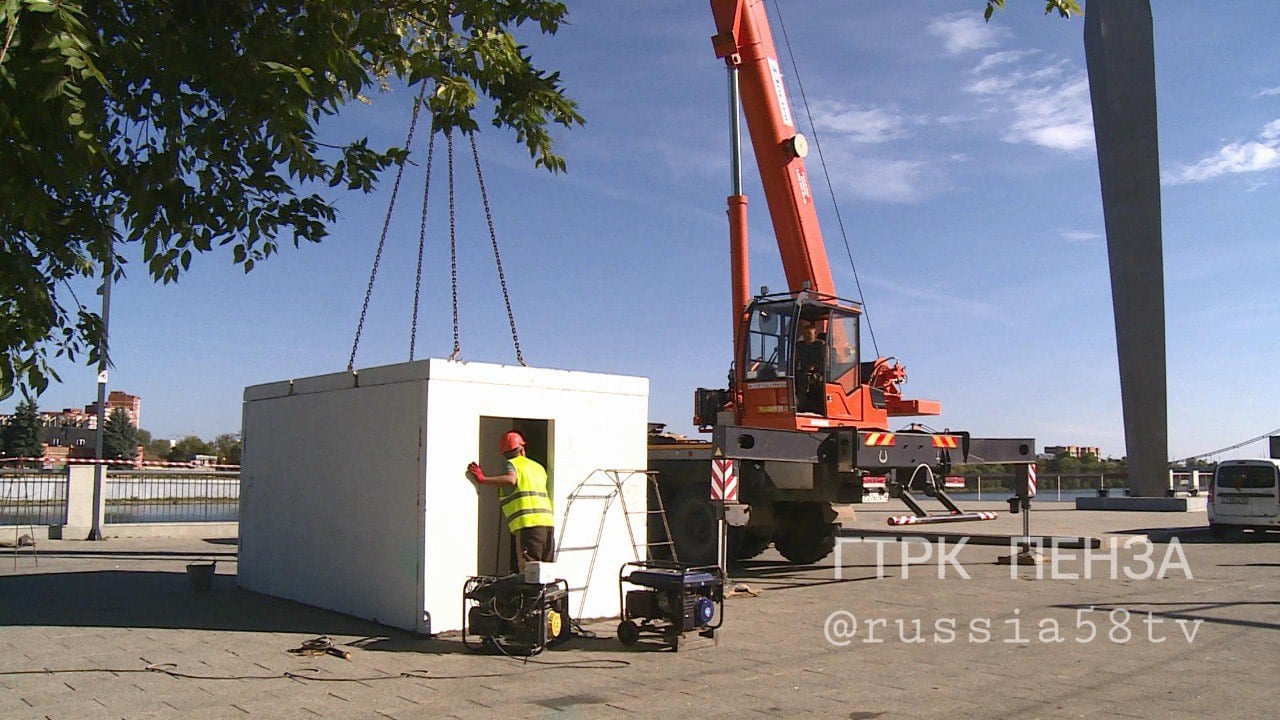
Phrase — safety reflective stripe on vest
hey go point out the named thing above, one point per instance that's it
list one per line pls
(528, 504)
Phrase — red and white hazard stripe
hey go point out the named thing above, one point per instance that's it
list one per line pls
(916, 520)
(1031, 480)
(904, 520)
(724, 480)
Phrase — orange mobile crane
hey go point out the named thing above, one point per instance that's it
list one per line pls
(805, 419)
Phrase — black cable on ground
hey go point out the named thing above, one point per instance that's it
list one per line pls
(169, 669)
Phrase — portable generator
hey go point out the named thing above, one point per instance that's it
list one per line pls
(512, 616)
(669, 600)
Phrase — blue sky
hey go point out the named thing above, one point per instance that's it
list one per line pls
(962, 158)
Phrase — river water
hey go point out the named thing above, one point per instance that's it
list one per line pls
(167, 512)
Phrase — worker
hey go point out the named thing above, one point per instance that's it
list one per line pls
(526, 502)
(810, 387)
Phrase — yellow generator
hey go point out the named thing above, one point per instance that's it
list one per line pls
(511, 616)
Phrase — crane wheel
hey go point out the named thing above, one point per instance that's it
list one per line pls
(693, 528)
(805, 535)
(746, 543)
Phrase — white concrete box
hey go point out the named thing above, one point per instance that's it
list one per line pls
(354, 496)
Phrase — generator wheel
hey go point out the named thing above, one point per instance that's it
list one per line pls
(804, 535)
(693, 528)
(746, 543)
(628, 633)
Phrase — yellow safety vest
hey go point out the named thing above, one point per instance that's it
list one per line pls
(527, 504)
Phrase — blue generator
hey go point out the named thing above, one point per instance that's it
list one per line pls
(669, 599)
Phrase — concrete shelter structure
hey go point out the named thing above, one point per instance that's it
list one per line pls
(354, 496)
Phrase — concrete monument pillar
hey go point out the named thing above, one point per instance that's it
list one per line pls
(1119, 51)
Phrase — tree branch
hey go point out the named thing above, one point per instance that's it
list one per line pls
(13, 27)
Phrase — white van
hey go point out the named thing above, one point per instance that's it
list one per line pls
(1245, 494)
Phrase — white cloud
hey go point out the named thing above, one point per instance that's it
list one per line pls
(1268, 92)
(964, 32)
(931, 299)
(859, 124)
(1046, 106)
(1079, 236)
(1257, 155)
(880, 180)
(1002, 57)
(846, 131)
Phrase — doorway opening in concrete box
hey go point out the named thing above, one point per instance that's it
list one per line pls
(493, 546)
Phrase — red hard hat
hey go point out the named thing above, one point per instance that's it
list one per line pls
(511, 441)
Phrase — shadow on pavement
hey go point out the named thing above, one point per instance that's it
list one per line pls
(1200, 535)
(451, 644)
(773, 576)
(1186, 611)
(142, 599)
(165, 600)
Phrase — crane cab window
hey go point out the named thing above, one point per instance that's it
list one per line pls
(768, 351)
(826, 352)
(842, 350)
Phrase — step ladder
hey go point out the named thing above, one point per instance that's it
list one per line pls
(599, 491)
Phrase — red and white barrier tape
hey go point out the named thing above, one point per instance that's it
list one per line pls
(125, 463)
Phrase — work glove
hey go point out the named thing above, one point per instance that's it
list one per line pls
(475, 472)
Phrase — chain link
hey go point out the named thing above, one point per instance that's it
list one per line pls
(422, 244)
(386, 226)
(497, 257)
(453, 253)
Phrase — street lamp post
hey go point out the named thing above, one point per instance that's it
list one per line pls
(95, 531)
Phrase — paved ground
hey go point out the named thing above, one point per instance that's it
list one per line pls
(78, 631)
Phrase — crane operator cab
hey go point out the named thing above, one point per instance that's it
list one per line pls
(799, 363)
(799, 367)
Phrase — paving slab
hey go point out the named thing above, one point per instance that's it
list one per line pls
(1123, 644)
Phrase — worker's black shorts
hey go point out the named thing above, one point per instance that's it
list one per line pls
(533, 543)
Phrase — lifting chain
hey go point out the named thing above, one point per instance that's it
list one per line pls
(422, 244)
(386, 225)
(497, 257)
(453, 254)
(453, 244)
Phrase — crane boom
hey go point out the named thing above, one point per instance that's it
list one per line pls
(745, 41)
